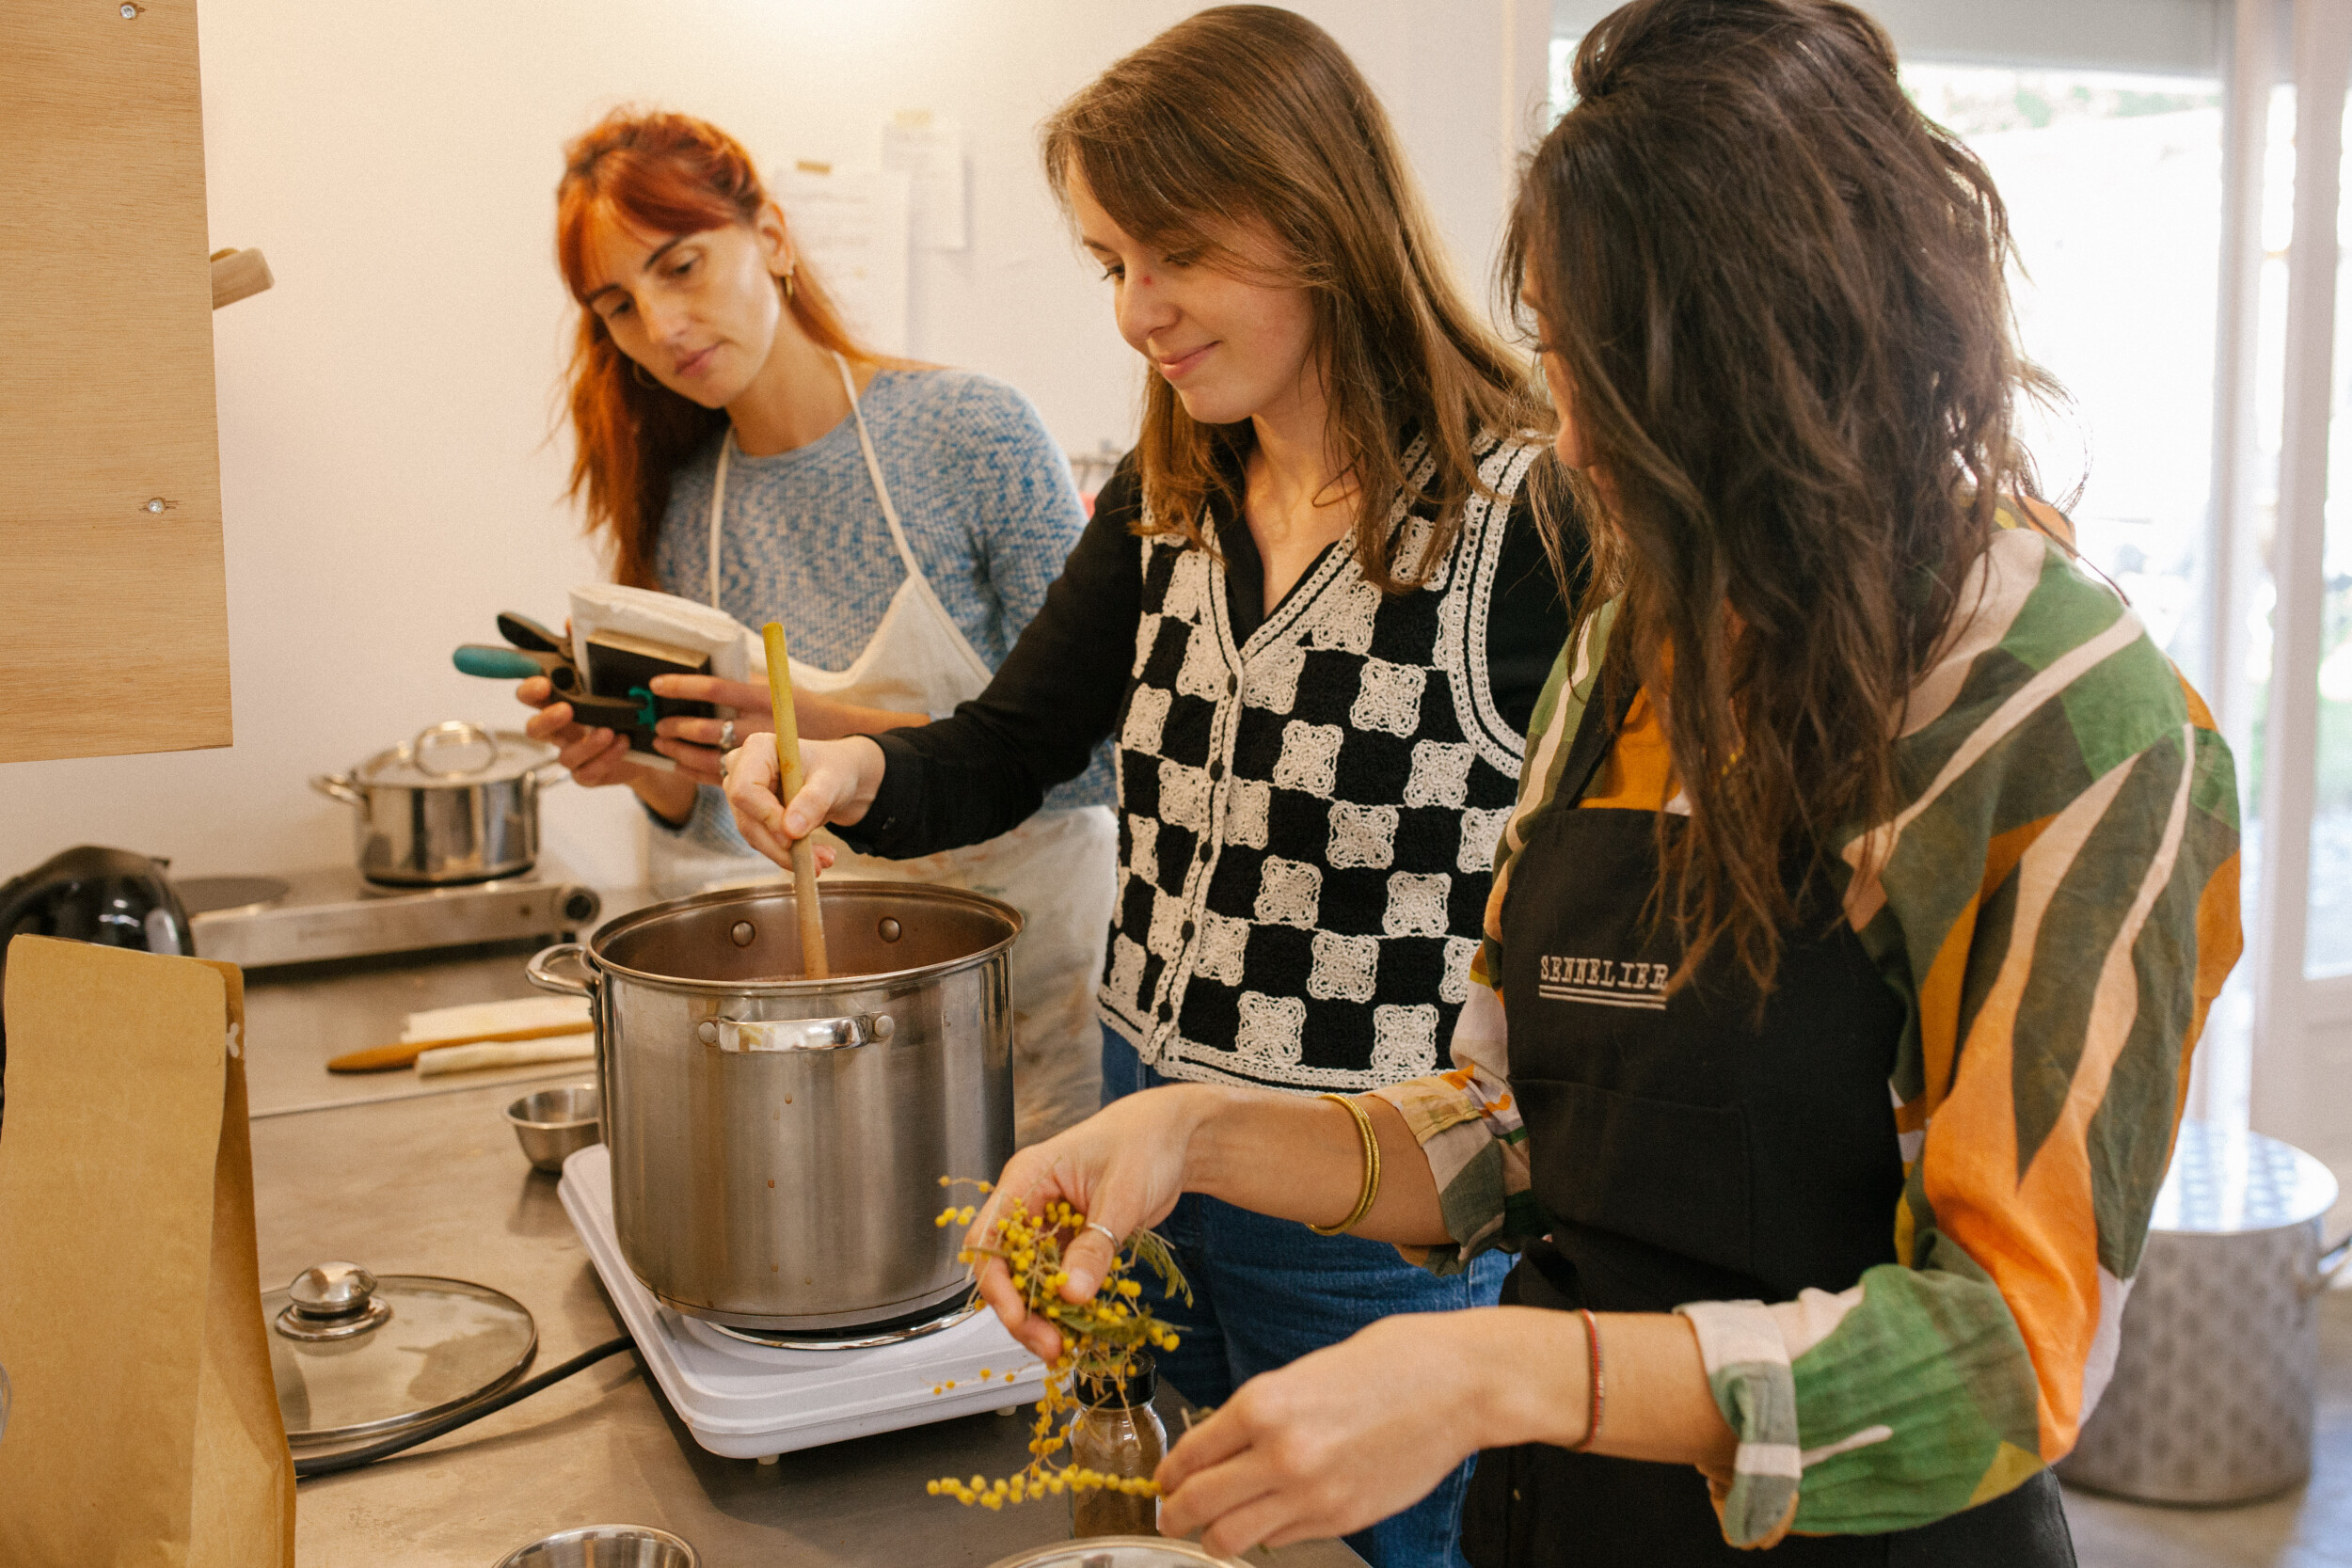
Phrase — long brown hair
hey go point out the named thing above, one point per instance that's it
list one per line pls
(664, 174)
(1778, 292)
(1251, 116)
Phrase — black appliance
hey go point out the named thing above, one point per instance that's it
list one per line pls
(112, 898)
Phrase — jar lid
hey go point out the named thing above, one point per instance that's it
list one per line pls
(1134, 1391)
(355, 1355)
(457, 754)
(2227, 1180)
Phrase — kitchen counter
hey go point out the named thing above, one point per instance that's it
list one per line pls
(310, 1013)
(410, 1177)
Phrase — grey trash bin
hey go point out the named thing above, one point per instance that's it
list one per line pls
(2216, 1381)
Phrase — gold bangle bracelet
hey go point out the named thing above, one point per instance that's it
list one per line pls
(1371, 1142)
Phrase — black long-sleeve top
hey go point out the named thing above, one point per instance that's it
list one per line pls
(986, 767)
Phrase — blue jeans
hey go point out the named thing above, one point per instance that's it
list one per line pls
(1266, 1292)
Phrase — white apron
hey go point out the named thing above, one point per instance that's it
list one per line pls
(1058, 868)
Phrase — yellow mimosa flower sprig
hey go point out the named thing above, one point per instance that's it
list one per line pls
(1102, 1338)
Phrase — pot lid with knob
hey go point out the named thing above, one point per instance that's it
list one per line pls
(355, 1355)
(455, 755)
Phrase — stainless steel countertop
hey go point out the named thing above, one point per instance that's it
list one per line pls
(431, 1181)
(298, 1017)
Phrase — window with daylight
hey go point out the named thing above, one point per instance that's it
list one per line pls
(2113, 185)
(2146, 152)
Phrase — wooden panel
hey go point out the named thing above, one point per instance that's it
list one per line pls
(116, 634)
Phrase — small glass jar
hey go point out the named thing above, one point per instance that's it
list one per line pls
(1119, 1434)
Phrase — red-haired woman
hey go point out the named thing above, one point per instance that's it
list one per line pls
(736, 445)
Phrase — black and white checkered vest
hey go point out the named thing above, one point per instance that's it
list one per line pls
(1308, 819)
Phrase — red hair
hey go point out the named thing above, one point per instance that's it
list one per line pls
(661, 174)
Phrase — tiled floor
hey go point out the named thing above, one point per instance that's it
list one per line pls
(2309, 1527)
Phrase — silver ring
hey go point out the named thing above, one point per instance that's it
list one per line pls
(726, 736)
(1098, 1225)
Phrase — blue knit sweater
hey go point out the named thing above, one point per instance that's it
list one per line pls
(985, 496)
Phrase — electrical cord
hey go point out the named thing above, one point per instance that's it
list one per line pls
(352, 1459)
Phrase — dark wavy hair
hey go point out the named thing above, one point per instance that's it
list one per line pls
(1251, 115)
(1778, 291)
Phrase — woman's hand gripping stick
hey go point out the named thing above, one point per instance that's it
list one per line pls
(788, 756)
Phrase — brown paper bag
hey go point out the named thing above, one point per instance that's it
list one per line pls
(146, 1428)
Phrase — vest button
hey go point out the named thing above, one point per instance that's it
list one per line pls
(1204, 854)
(1233, 684)
(1216, 770)
(1186, 932)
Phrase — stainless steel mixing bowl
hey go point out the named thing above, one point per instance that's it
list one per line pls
(552, 1125)
(1119, 1551)
(605, 1546)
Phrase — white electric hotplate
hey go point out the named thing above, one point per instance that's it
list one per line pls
(750, 1401)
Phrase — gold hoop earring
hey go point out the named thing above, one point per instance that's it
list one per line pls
(787, 286)
(643, 379)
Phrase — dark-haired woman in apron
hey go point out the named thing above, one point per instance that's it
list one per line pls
(1871, 874)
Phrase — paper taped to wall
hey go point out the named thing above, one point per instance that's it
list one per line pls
(850, 225)
(929, 150)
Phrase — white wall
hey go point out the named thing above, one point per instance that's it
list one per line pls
(389, 474)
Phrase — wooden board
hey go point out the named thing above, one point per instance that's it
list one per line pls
(114, 638)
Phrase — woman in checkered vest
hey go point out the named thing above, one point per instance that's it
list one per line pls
(1315, 613)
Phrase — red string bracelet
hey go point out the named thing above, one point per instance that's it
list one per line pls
(1592, 1352)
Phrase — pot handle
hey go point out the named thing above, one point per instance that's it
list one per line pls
(541, 969)
(797, 1033)
(340, 786)
(2331, 1264)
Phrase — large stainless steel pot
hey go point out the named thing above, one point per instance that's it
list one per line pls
(459, 804)
(2216, 1378)
(777, 1144)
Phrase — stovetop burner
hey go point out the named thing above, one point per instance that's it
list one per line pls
(408, 890)
(229, 894)
(337, 914)
(889, 1331)
(754, 1399)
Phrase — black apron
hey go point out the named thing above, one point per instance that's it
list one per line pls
(1685, 1152)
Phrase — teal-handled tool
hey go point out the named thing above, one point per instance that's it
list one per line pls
(495, 663)
(632, 710)
(480, 658)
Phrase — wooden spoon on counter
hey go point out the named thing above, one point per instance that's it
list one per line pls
(789, 781)
(383, 1058)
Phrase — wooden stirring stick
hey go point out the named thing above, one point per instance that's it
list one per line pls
(788, 785)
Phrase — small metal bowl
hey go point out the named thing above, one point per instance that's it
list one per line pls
(605, 1545)
(552, 1125)
(1117, 1551)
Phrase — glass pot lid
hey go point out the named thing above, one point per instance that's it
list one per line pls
(357, 1356)
(457, 754)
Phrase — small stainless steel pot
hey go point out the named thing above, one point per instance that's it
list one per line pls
(777, 1144)
(2216, 1377)
(459, 804)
